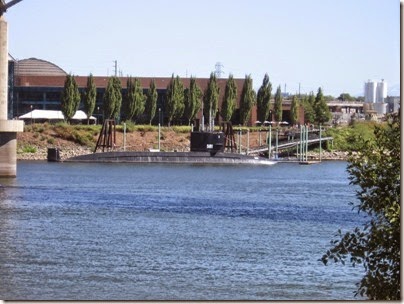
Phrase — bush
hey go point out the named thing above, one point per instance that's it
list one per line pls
(181, 129)
(347, 138)
(29, 149)
(132, 127)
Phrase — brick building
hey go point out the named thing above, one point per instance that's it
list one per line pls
(38, 84)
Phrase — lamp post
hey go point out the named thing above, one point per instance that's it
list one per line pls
(31, 113)
(270, 142)
(98, 114)
(320, 141)
(159, 126)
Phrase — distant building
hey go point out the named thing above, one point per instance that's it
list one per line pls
(375, 92)
(393, 103)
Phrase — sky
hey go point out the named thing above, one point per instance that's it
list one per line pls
(337, 45)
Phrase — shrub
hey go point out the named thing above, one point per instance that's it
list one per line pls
(29, 149)
(347, 138)
(181, 129)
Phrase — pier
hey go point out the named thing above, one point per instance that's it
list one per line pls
(278, 141)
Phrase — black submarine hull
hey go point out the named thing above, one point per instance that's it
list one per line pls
(170, 157)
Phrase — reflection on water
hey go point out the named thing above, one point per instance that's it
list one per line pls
(183, 232)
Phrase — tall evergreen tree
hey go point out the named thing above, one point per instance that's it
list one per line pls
(90, 97)
(278, 105)
(174, 99)
(211, 98)
(248, 100)
(321, 110)
(151, 101)
(70, 97)
(229, 99)
(263, 99)
(112, 98)
(193, 102)
(294, 110)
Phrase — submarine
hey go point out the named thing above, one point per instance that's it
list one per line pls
(206, 147)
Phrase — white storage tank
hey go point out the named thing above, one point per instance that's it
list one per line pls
(381, 92)
(370, 91)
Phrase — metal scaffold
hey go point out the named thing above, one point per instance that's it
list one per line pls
(107, 138)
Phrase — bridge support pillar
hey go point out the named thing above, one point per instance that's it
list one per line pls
(8, 128)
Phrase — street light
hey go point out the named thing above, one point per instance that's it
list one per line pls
(159, 126)
(31, 113)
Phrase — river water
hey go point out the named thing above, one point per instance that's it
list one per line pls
(175, 232)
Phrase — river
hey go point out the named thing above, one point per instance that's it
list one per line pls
(72, 231)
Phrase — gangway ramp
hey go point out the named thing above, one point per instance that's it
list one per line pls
(289, 144)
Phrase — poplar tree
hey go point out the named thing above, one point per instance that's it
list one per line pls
(229, 99)
(308, 103)
(151, 101)
(90, 97)
(193, 102)
(112, 98)
(128, 103)
(248, 100)
(278, 105)
(211, 98)
(263, 99)
(118, 94)
(70, 97)
(321, 108)
(135, 99)
(179, 88)
(174, 99)
(294, 110)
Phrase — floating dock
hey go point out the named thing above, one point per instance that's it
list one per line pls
(171, 157)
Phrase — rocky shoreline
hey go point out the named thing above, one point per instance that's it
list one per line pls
(41, 154)
(326, 155)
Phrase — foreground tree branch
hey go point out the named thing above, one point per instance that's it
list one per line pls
(376, 246)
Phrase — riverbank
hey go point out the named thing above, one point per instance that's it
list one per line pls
(74, 141)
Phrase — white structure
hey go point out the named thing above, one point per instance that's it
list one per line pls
(375, 92)
(53, 115)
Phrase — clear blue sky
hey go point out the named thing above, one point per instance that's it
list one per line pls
(336, 45)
